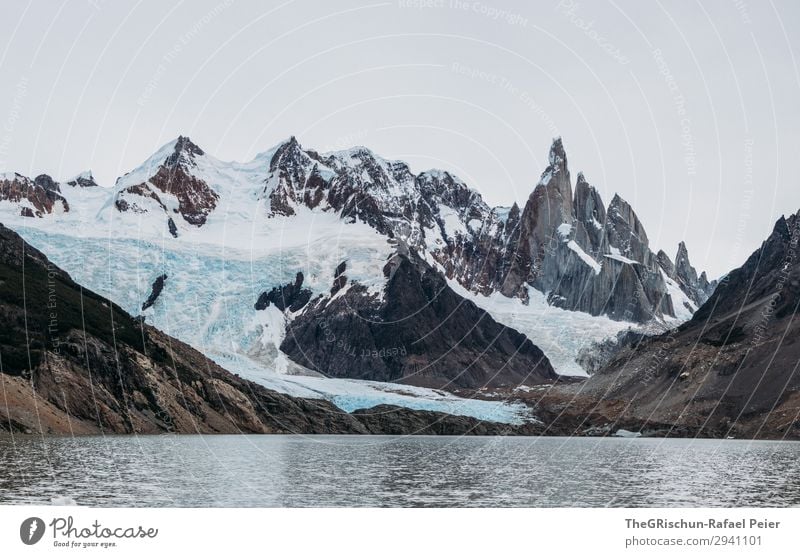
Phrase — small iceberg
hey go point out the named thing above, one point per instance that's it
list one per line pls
(626, 433)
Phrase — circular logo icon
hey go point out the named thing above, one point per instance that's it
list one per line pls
(32, 530)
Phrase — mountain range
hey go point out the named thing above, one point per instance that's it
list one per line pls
(332, 275)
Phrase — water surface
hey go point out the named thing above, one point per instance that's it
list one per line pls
(299, 471)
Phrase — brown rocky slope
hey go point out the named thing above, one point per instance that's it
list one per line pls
(732, 370)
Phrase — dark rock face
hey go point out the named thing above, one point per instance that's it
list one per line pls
(46, 183)
(291, 296)
(419, 332)
(155, 291)
(298, 179)
(666, 264)
(549, 206)
(42, 194)
(730, 370)
(590, 216)
(625, 232)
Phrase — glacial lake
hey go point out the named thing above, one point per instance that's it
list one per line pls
(300, 471)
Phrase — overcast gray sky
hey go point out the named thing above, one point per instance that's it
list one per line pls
(689, 110)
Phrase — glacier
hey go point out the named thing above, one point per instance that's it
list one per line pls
(209, 305)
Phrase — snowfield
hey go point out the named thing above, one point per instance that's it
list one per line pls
(560, 333)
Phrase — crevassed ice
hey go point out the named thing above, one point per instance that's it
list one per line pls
(208, 303)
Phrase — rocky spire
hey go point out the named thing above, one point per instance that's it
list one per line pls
(683, 268)
(665, 263)
(590, 215)
(697, 288)
(556, 178)
(703, 282)
(625, 231)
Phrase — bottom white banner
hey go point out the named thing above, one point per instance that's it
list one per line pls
(352, 532)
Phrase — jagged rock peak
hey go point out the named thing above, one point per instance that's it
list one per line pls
(46, 182)
(703, 281)
(683, 267)
(185, 144)
(83, 180)
(289, 150)
(184, 151)
(626, 232)
(622, 210)
(666, 263)
(584, 192)
(557, 182)
(558, 156)
(697, 288)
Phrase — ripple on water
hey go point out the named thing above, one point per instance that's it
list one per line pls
(268, 471)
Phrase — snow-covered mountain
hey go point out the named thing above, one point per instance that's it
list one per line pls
(400, 277)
